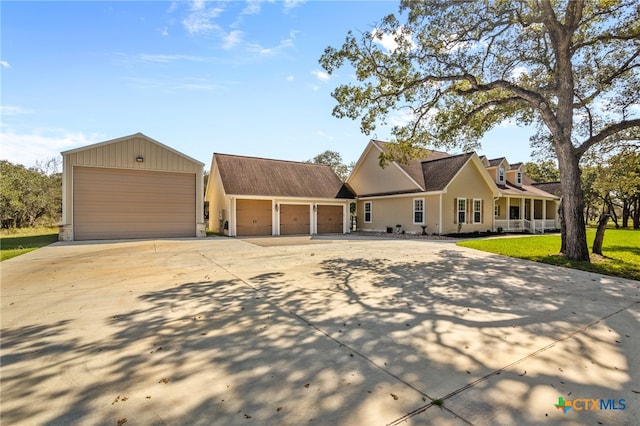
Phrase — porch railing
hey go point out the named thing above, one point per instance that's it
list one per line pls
(518, 225)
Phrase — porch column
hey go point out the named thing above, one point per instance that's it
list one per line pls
(532, 207)
(521, 213)
(508, 214)
(544, 215)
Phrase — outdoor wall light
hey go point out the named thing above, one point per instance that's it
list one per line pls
(315, 208)
(276, 207)
(139, 158)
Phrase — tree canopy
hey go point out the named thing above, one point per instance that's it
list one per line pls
(334, 160)
(460, 68)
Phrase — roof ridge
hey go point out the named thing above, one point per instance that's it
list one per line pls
(269, 159)
(448, 158)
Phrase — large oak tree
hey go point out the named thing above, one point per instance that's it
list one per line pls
(459, 68)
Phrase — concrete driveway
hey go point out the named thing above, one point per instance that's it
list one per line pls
(342, 331)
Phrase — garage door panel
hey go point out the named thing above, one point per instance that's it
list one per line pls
(294, 219)
(330, 219)
(253, 217)
(120, 203)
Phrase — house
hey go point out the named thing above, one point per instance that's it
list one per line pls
(130, 187)
(523, 205)
(445, 194)
(251, 196)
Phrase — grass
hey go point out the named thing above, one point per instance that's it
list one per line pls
(621, 250)
(15, 242)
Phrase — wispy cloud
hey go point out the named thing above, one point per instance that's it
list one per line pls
(5, 64)
(321, 75)
(253, 7)
(165, 58)
(289, 78)
(8, 110)
(201, 17)
(232, 39)
(41, 144)
(291, 4)
(265, 51)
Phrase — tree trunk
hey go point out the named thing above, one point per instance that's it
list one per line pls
(636, 213)
(625, 213)
(563, 229)
(574, 244)
(599, 239)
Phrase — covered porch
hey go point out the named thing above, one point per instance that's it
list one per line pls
(522, 214)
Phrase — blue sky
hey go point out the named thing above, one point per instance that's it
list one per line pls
(236, 77)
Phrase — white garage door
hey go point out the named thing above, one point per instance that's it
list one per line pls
(118, 203)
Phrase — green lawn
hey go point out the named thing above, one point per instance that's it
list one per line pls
(621, 250)
(19, 241)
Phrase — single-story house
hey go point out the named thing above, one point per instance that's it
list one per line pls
(131, 187)
(445, 194)
(251, 196)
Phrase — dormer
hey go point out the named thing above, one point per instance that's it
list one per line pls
(515, 174)
(498, 168)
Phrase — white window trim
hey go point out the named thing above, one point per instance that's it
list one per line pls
(479, 210)
(416, 211)
(370, 203)
(458, 211)
(496, 210)
(519, 178)
(501, 175)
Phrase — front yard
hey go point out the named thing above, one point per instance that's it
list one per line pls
(621, 251)
(15, 242)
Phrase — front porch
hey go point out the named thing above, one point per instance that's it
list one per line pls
(519, 214)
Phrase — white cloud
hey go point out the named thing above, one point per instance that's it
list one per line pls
(200, 18)
(164, 59)
(253, 7)
(232, 39)
(388, 41)
(8, 110)
(289, 78)
(518, 72)
(291, 4)
(401, 117)
(5, 64)
(321, 75)
(165, 31)
(41, 145)
(261, 50)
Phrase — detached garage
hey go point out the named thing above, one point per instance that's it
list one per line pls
(131, 187)
(251, 196)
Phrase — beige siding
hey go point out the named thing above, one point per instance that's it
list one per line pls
(373, 179)
(468, 184)
(218, 203)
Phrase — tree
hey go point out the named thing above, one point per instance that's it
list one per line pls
(29, 196)
(459, 68)
(333, 159)
(544, 171)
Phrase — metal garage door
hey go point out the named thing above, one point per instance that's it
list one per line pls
(119, 203)
(294, 219)
(330, 219)
(253, 217)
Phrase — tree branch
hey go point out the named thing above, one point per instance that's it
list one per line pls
(605, 133)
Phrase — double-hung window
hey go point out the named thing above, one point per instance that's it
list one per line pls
(418, 211)
(519, 178)
(500, 175)
(462, 210)
(477, 210)
(367, 211)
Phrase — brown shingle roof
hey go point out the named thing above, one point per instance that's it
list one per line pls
(550, 187)
(265, 177)
(494, 162)
(438, 173)
(414, 167)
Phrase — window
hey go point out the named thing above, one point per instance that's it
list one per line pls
(462, 210)
(519, 178)
(367, 212)
(496, 210)
(477, 210)
(418, 210)
(500, 175)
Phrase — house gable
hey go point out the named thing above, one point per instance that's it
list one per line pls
(368, 178)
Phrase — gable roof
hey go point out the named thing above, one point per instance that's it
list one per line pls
(135, 135)
(413, 168)
(550, 187)
(439, 172)
(496, 161)
(266, 177)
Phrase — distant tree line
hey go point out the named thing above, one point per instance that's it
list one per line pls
(611, 185)
(30, 196)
